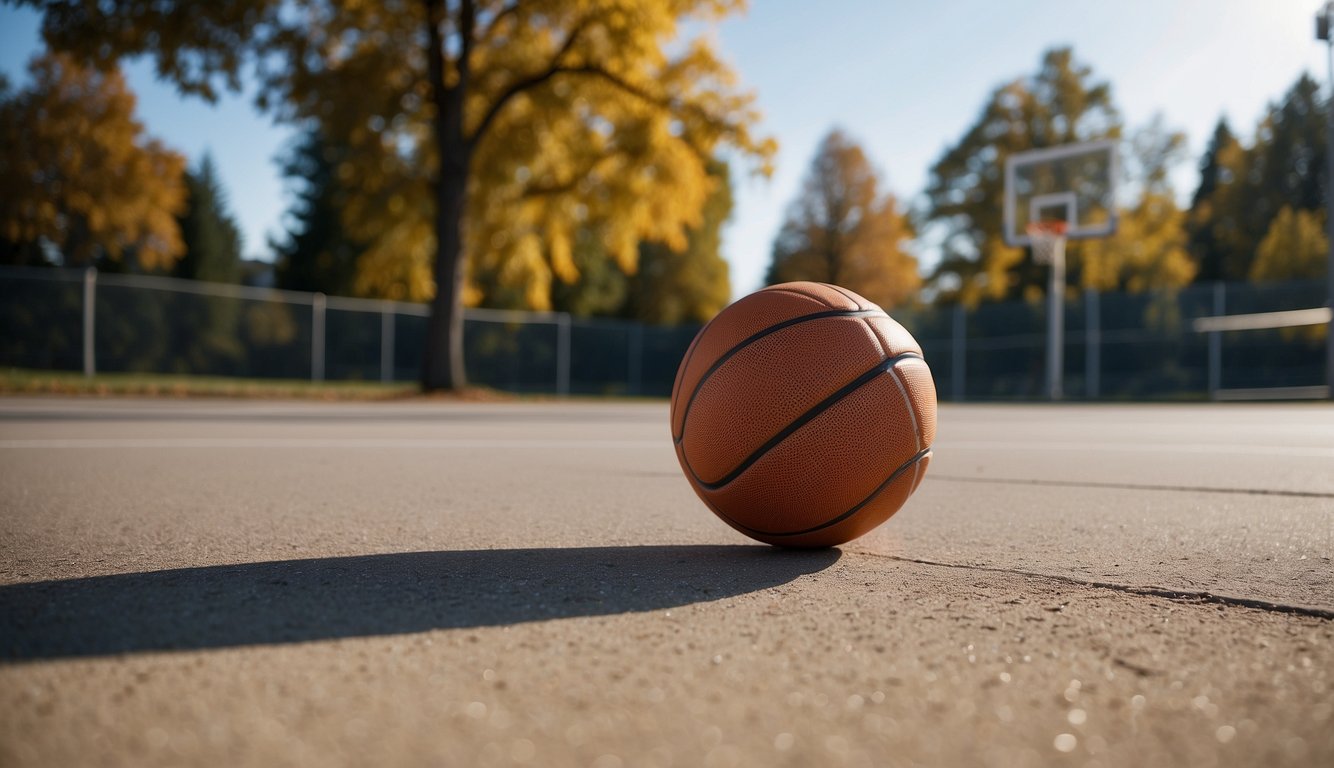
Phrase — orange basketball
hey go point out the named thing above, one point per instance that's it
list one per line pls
(803, 415)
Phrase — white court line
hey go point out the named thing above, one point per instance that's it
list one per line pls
(314, 442)
(303, 443)
(1238, 449)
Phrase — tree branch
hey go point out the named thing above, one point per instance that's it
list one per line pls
(491, 26)
(467, 26)
(528, 83)
(570, 183)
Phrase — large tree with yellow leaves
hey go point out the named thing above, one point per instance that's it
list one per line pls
(78, 174)
(491, 128)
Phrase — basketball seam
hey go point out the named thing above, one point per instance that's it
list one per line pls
(896, 474)
(685, 363)
(884, 366)
(845, 292)
(754, 337)
(794, 292)
(912, 411)
(875, 338)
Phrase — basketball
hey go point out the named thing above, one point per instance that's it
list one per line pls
(803, 415)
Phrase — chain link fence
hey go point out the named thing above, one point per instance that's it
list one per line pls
(1117, 346)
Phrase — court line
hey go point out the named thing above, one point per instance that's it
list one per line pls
(1133, 486)
(1241, 449)
(315, 442)
(1146, 591)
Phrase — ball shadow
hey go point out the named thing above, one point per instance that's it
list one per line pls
(296, 601)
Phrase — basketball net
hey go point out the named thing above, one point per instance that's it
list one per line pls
(1048, 239)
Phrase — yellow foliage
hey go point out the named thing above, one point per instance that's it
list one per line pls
(841, 230)
(77, 171)
(579, 116)
(1294, 248)
(1148, 250)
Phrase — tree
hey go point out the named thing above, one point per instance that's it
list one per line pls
(1284, 166)
(318, 254)
(1206, 226)
(841, 229)
(671, 288)
(203, 329)
(480, 128)
(210, 233)
(79, 176)
(1060, 104)
(1294, 248)
(1148, 249)
(666, 287)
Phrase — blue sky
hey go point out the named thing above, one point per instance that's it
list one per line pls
(905, 79)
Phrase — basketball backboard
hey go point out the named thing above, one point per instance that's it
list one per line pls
(1074, 183)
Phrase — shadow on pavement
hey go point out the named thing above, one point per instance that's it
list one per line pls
(301, 600)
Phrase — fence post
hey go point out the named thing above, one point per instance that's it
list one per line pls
(636, 358)
(1092, 345)
(957, 351)
(387, 317)
(89, 321)
(1216, 343)
(563, 353)
(317, 305)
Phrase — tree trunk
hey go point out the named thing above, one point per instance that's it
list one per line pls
(442, 360)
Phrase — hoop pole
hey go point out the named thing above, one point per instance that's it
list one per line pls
(1056, 320)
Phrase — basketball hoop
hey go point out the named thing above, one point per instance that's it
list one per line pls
(1048, 238)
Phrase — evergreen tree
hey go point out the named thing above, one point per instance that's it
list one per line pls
(1284, 166)
(211, 235)
(204, 328)
(1205, 222)
(317, 254)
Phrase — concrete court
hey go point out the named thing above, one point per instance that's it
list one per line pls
(427, 583)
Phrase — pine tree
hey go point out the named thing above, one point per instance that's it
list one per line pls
(317, 253)
(1205, 221)
(211, 235)
(1285, 166)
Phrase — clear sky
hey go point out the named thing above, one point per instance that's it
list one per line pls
(905, 79)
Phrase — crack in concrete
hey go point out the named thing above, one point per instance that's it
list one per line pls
(1135, 486)
(1177, 595)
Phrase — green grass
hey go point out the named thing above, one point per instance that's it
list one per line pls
(28, 382)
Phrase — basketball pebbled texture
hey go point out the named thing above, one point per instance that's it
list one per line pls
(803, 415)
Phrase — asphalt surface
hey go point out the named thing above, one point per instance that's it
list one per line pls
(241, 583)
